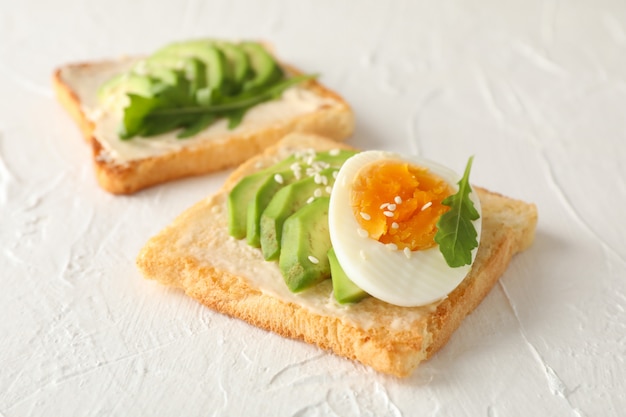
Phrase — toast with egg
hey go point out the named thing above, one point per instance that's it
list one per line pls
(124, 167)
(196, 254)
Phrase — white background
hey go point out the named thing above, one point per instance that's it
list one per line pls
(535, 90)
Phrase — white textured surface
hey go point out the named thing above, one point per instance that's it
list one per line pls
(535, 90)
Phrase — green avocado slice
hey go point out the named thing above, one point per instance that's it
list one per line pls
(243, 192)
(287, 201)
(265, 69)
(303, 260)
(266, 190)
(211, 58)
(344, 290)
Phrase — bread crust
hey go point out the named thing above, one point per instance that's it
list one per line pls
(171, 257)
(335, 122)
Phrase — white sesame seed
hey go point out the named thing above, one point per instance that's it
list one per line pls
(324, 180)
(329, 189)
(313, 259)
(335, 173)
(407, 253)
(365, 216)
(317, 179)
(310, 200)
(383, 206)
(333, 152)
(398, 199)
(395, 225)
(279, 178)
(391, 207)
(317, 192)
(388, 213)
(391, 246)
(425, 206)
(363, 255)
(362, 232)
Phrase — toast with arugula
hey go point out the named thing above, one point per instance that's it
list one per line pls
(203, 254)
(191, 108)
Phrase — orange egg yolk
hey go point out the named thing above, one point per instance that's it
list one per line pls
(399, 203)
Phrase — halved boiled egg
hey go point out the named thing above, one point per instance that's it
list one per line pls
(383, 212)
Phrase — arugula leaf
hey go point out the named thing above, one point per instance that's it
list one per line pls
(235, 117)
(456, 234)
(196, 126)
(173, 108)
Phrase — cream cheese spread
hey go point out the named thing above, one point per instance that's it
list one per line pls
(295, 101)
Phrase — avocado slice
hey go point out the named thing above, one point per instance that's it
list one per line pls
(194, 54)
(237, 67)
(265, 69)
(345, 291)
(243, 192)
(303, 260)
(264, 193)
(246, 189)
(287, 201)
(127, 83)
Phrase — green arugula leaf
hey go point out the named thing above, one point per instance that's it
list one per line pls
(197, 125)
(165, 112)
(235, 117)
(456, 234)
(173, 108)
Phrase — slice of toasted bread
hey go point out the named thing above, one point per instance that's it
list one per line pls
(196, 254)
(76, 86)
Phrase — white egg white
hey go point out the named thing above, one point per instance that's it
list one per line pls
(405, 279)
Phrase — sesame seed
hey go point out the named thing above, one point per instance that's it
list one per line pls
(398, 199)
(317, 179)
(279, 178)
(407, 253)
(324, 180)
(310, 200)
(388, 213)
(362, 232)
(335, 173)
(391, 207)
(329, 189)
(365, 216)
(395, 225)
(313, 259)
(317, 192)
(391, 246)
(333, 152)
(425, 206)
(383, 206)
